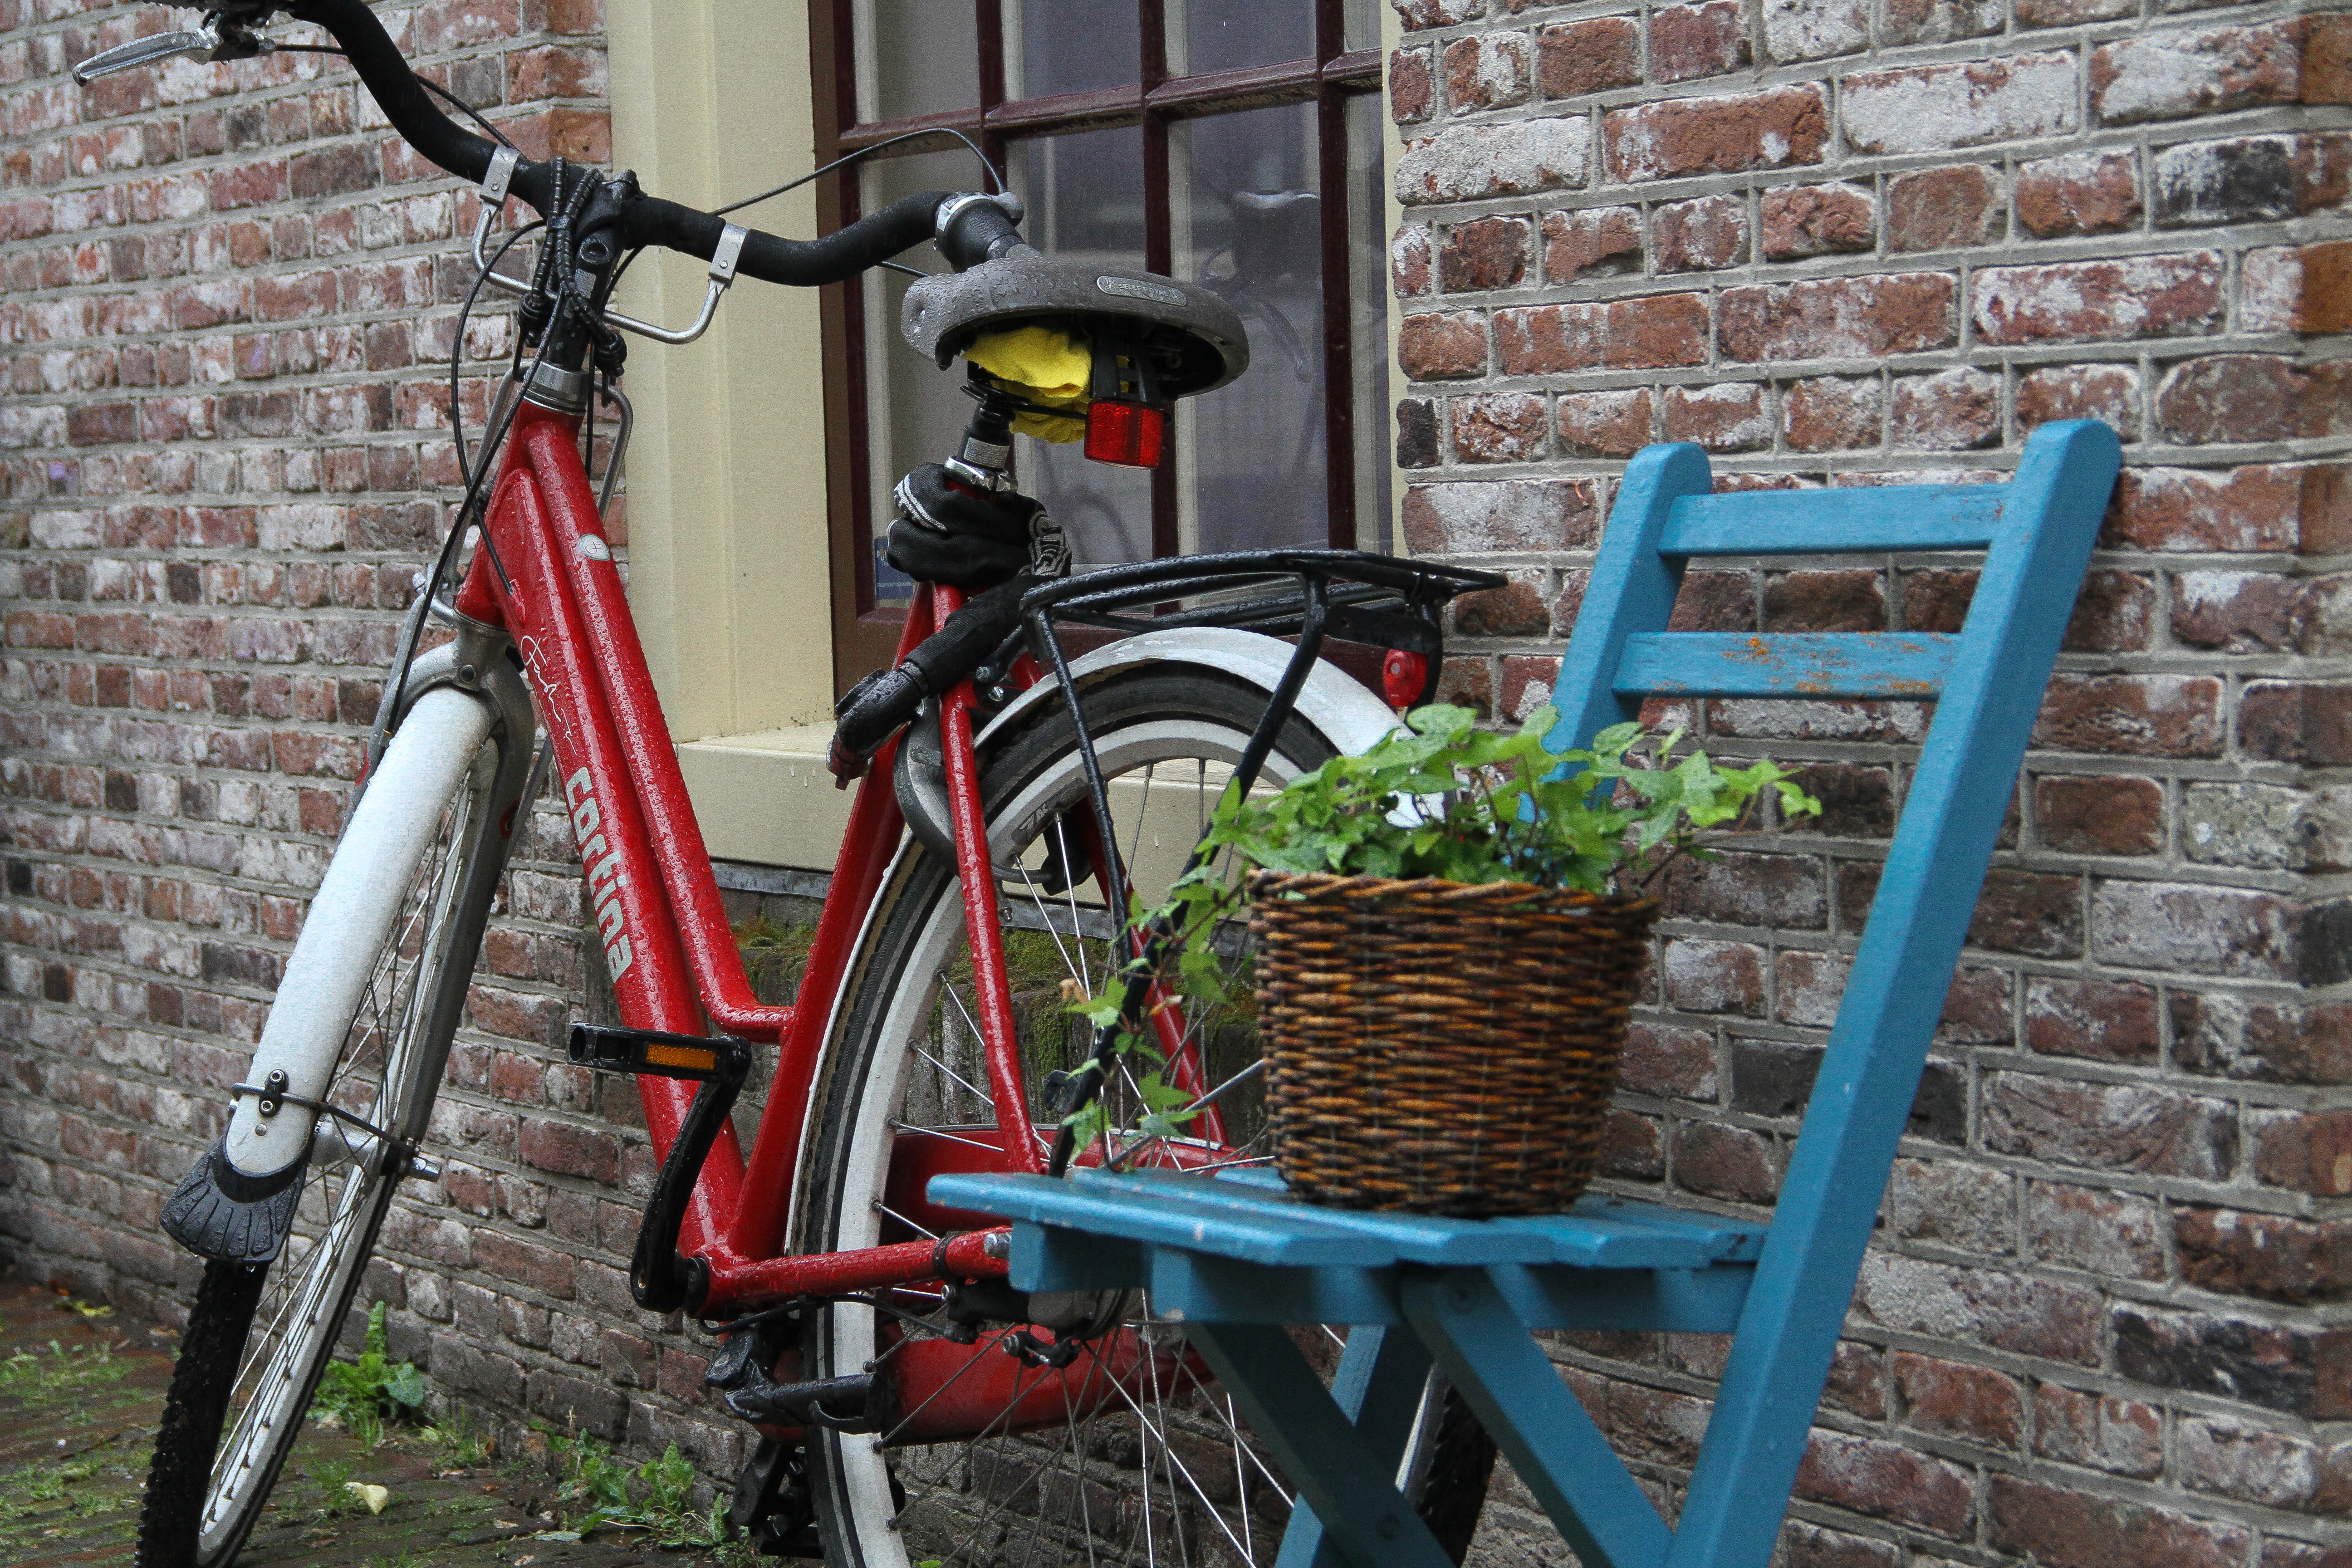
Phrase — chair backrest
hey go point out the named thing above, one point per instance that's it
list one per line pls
(1987, 683)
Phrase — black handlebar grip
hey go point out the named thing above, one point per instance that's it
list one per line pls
(801, 263)
(979, 231)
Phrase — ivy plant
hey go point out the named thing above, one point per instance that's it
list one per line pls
(1441, 798)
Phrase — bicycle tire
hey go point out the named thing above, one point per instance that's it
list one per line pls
(258, 1338)
(1154, 717)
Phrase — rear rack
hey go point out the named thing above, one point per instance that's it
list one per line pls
(1313, 593)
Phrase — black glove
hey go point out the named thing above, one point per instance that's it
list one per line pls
(942, 535)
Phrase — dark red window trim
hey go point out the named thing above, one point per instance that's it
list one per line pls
(863, 634)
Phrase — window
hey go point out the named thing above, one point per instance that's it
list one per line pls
(1233, 143)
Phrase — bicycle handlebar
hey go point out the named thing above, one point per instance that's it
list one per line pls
(649, 220)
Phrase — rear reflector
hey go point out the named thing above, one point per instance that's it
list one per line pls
(1130, 435)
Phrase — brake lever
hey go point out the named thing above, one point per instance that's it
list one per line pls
(724, 258)
(215, 40)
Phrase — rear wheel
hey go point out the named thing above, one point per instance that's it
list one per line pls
(257, 1339)
(1127, 1452)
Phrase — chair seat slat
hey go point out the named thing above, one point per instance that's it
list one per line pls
(1909, 665)
(1834, 522)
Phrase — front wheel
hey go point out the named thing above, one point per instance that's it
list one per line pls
(1092, 1435)
(258, 1338)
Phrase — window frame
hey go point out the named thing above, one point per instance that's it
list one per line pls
(864, 632)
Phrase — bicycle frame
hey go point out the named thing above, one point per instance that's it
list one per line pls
(548, 579)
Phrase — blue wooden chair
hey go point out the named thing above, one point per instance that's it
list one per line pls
(1234, 1258)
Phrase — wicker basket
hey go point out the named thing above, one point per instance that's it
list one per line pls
(1439, 1046)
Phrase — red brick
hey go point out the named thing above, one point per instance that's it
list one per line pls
(2248, 179)
(1589, 57)
(2100, 302)
(1832, 413)
(2170, 75)
(2305, 289)
(1514, 610)
(2066, 1529)
(2251, 397)
(1934, 209)
(1503, 427)
(2099, 816)
(1486, 253)
(2254, 507)
(1919, 108)
(1871, 1476)
(1604, 423)
(1490, 72)
(1442, 346)
(2109, 393)
(2241, 611)
(1648, 333)
(2271, 1256)
(1831, 600)
(1527, 684)
(1815, 220)
(2297, 722)
(2267, 1042)
(2106, 1433)
(2088, 192)
(1411, 267)
(1697, 40)
(1591, 240)
(2158, 715)
(2098, 1019)
(1951, 410)
(1412, 88)
(1769, 130)
(1694, 236)
(2111, 1127)
(1730, 1163)
(1838, 317)
(1951, 1399)
(1517, 515)
(1729, 417)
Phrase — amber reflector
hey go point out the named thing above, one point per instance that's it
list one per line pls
(685, 1057)
(1127, 434)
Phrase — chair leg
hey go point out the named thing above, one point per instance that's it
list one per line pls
(1337, 1468)
(1537, 1423)
(1383, 1377)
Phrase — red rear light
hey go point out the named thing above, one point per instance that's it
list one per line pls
(1402, 676)
(1129, 434)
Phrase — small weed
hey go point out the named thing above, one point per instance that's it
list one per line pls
(597, 1491)
(463, 1445)
(331, 1479)
(361, 1395)
(37, 1380)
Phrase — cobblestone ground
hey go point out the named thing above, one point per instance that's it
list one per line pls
(76, 1421)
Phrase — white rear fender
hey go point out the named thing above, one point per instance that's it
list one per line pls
(1332, 700)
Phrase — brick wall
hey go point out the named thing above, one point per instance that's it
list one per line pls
(1831, 240)
(230, 297)
(2105, 1324)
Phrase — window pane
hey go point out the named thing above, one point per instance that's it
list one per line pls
(1362, 24)
(1085, 199)
(914, 409)
(1206, 35)
(1070, 45)
(1368, 287)
(916, 56)
(1248, 225)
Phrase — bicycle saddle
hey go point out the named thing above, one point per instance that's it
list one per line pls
(1195, 339)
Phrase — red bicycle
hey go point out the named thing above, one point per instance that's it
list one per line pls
(914, 1408)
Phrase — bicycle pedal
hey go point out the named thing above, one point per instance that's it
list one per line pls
(652, 1053)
